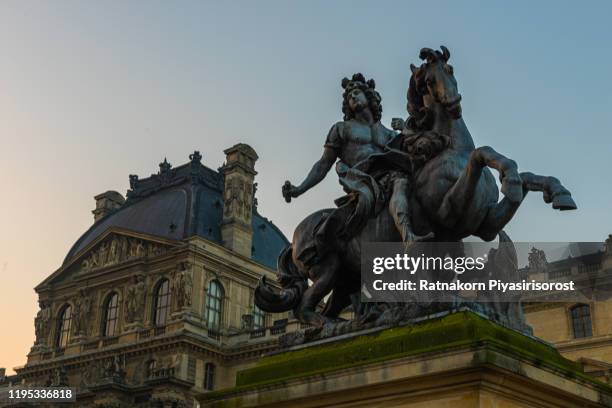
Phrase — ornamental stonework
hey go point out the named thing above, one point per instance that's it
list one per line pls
(82, 313)
(42, 324)
(120, 249)
(238, 200)
(135, 300)
(182, 287)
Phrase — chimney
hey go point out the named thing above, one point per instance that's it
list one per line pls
(238, 172)
(106, 203)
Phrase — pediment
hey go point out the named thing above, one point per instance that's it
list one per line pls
(113, 248)
(116, 249)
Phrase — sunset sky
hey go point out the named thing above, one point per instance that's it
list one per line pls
(91, 92)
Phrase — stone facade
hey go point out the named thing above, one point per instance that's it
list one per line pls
(141, 356)
(554, 322)
(128, 318)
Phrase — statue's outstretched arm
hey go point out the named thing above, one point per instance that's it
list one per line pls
(317, 173)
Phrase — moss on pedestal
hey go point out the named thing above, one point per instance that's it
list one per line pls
(457, 330)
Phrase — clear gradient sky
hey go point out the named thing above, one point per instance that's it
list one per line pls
(93, 91)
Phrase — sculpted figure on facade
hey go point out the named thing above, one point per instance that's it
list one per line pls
(174, 363)
(58, 378)
(229, 196)
(135, 300)
(124, 250)
(103, 253)
(140, 249)
(537, 259)
(248, 205)
(113, 252)
(114, 368)
(86, 375)
(82, 310)
(235, 201)
(42, 323)
(182, 287)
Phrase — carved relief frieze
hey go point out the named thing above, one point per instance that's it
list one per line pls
(118, 249)
(238, 199)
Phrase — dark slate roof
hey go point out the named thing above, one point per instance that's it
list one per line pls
(180, 202)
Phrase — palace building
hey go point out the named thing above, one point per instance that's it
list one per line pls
(154, 302)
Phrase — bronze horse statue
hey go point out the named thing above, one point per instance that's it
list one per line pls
(454, 196)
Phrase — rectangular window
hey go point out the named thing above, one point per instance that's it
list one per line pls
(581, 321)
(191, 368)
(209, 376)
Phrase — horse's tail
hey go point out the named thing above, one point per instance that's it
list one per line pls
(505, 258)
(293, 284)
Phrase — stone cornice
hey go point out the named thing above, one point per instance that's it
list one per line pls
(174, 341)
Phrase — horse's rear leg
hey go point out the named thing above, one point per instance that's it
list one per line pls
(498, 216)
(460, 195)
(324, 276)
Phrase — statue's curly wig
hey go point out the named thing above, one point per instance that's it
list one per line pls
(368, 88)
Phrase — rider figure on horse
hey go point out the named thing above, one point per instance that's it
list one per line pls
(359, 142)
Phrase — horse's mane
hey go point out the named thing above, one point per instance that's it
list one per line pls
(420, 142)
(420, 117)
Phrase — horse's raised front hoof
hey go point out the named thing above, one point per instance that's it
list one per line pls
(564, 202)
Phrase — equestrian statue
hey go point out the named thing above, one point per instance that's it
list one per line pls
(422, 181)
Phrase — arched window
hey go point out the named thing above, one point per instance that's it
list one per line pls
(111, 312)
(581, 321)
(259, 318)
(214, 304)
(162, 303)
(209, 376)
(64, 325)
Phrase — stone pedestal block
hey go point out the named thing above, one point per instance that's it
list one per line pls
(461, 360)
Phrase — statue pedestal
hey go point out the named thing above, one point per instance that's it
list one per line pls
(459, 360)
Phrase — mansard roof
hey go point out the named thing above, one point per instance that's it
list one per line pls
(180, 202)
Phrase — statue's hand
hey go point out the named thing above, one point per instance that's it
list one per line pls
(290, 191)
(397, 124)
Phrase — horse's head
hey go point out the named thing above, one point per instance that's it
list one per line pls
(433, 82)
